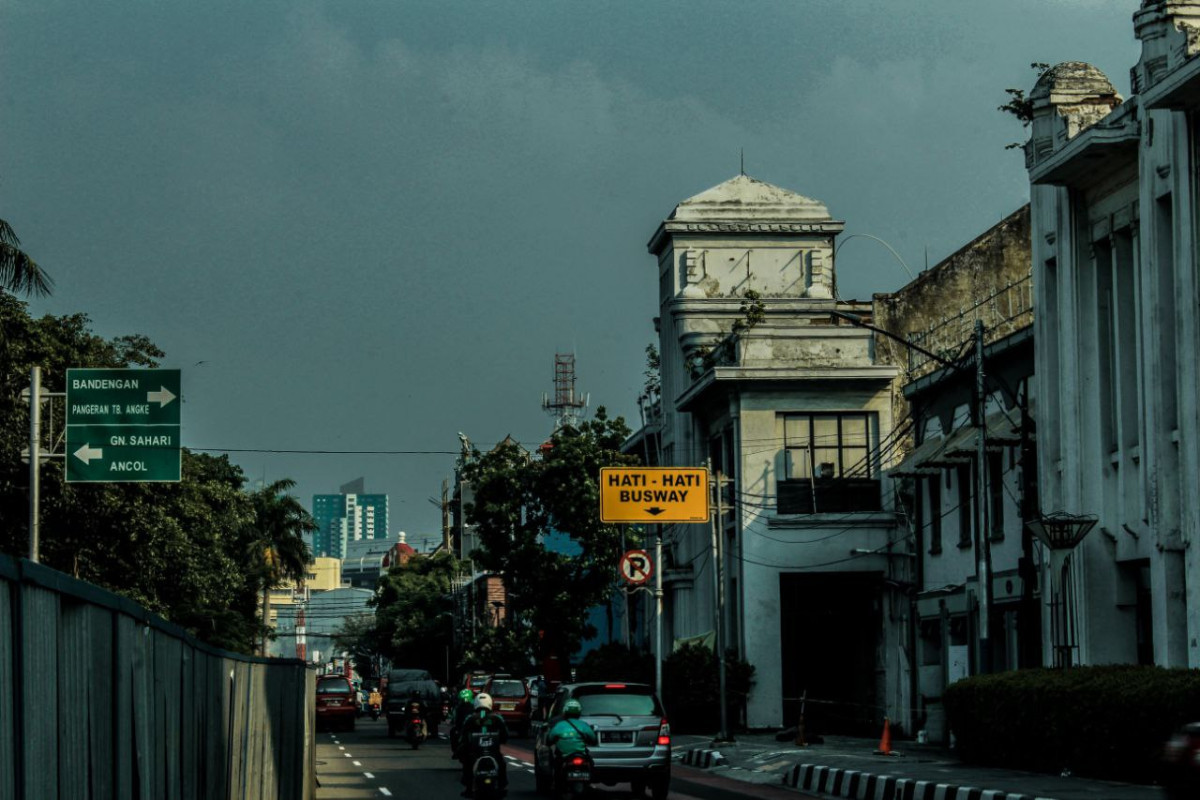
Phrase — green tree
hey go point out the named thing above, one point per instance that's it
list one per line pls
(361, 637)
(19, 272)
(189, 551)
(280, 522)
(414, 612)
(520, 500)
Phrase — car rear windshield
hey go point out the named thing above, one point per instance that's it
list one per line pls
(333, 686)
(598, 702)
(508, 689)
(477, 681)
(409, 675)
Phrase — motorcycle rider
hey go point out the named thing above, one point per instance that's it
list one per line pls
(416, 708)
(463, 709)
(570, 735)
(375, 701)
(483, 720)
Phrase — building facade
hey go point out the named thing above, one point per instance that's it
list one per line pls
(348, 516)
(989, 282)
(763, 380)
(1113, 191)
(368, 559)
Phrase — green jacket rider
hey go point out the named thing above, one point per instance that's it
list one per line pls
(571, 735)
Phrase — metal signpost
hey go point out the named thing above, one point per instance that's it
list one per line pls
(653, 494)
(123, 425)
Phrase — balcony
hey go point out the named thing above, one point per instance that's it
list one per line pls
(828, 495)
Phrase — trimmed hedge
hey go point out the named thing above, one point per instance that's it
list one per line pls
(1107, 722)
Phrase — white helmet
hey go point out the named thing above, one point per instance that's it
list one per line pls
(484, 700)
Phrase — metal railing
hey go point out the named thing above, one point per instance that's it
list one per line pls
(101, 699)
(1005, 311)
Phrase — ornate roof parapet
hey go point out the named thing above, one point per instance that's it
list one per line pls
(1067, 99)
(1169, 31)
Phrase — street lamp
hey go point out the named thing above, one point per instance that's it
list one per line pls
(1061, 533)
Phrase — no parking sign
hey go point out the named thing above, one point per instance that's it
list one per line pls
(636, 567)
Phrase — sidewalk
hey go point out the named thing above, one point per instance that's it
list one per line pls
(847, 767)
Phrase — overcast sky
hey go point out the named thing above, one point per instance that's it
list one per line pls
(371, 225)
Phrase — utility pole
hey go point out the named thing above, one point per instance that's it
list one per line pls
(35, 458)
(446, 514)
(718, 553)
(983, 541)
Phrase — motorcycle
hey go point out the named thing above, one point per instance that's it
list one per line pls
(485, 769)
(414, 731)
(574, 773)
(375, 711)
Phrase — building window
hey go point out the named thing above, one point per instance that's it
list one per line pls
(963, 476)
(829, 464)
(935, 515)
(996, 494)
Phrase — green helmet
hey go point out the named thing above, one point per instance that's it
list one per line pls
(466, 696)
(572, 709)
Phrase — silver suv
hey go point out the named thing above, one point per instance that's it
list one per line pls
(635, 737)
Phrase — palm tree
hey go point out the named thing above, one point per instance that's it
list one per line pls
(19, 272)
(280, 523)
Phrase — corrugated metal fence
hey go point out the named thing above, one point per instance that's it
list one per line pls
(101, 699)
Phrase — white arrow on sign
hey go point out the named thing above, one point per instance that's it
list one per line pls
(163, 396)
(87, 453)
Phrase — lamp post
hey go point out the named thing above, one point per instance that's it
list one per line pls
(1061, 533)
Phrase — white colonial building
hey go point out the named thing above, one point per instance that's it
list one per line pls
(1114, 235)
(787, 400)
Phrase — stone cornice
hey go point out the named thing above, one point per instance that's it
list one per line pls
(673, 226)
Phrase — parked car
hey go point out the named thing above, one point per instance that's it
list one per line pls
(633, 732)
(400, 686)
(511, 700)
(337, 706)
(1181, 764)
(475, 681)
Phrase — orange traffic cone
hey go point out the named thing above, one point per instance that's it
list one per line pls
(885, 743)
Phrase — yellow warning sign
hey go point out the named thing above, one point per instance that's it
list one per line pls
(653, 494)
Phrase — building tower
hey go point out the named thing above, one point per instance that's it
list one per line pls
(567, 406)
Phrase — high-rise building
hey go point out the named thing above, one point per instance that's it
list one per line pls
(349, 516)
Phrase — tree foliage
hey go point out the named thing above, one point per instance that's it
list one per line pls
(18, 272)
(1019, 105)
(191, 552)
(520, 500)
(414, 612)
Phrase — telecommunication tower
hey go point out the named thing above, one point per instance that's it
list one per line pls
(566, 406)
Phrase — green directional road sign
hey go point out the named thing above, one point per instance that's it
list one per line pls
(122, 425)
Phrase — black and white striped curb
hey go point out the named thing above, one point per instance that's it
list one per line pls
(867, 786)
(703, 757)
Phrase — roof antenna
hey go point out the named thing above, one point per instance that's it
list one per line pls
(743, 154)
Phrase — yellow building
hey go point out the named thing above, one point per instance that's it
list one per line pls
(324, 574)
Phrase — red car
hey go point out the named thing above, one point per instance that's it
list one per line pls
(510, 699)
(337, 705)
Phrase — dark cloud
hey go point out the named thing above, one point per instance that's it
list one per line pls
(378, 221)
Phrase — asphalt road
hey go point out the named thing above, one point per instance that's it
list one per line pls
(366, 763)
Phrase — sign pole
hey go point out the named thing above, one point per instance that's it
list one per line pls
(658, 612)
(35, 458)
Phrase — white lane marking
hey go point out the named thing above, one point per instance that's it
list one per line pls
(384, 791)
(369, 775)
(341, 747)
(358, 763)
(526, 763)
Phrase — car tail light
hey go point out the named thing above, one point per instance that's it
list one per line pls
(664, 733)
(577, 761)
(614, 686)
